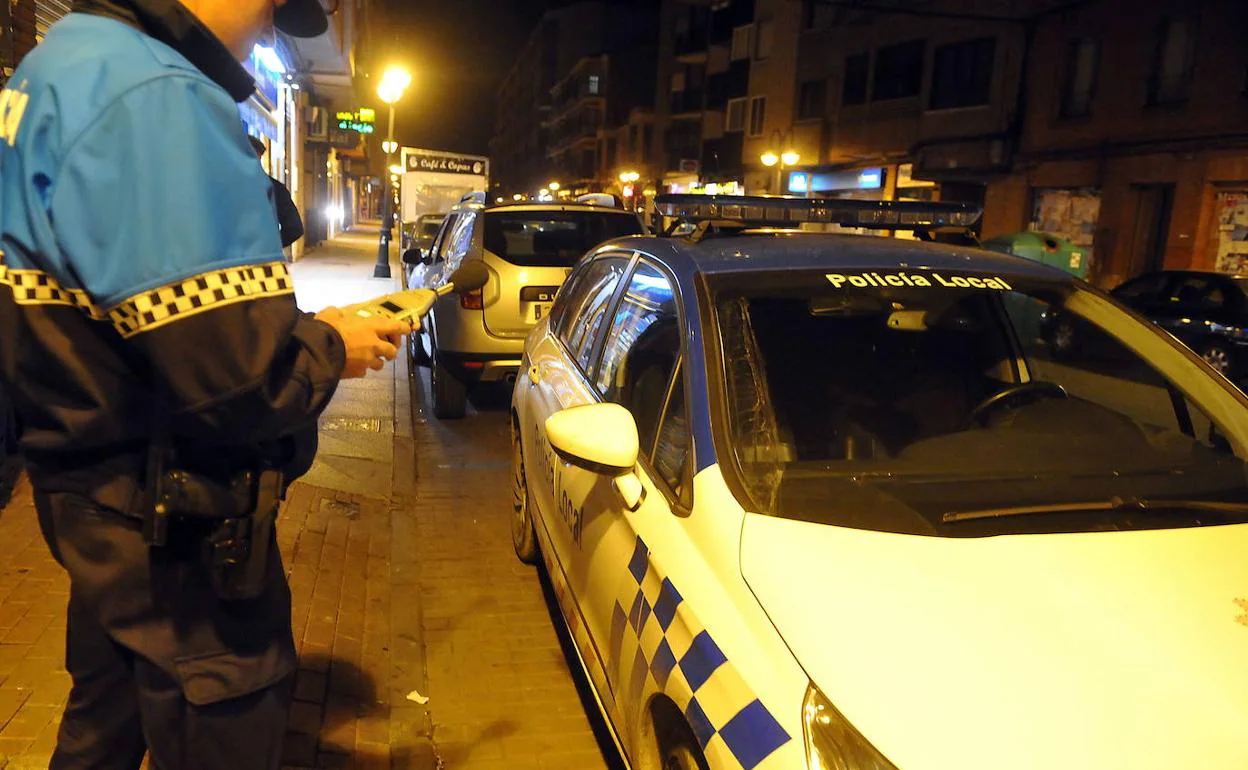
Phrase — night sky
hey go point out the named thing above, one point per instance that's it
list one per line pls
(458, 52)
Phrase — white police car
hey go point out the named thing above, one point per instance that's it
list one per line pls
(827, 501)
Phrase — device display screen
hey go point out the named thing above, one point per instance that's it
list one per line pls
(391, 307)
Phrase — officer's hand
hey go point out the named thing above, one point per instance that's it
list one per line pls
(370, 342)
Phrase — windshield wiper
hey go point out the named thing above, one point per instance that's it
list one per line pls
(1113, 504)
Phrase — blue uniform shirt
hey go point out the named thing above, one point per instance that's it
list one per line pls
(123, 168)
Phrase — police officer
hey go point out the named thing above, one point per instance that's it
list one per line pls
(163, 376)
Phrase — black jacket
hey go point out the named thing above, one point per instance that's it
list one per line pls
(287, 214)
(237, 384)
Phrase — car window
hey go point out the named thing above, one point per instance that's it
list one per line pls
(1144, 287)
(553, 238)
(1198, 292)
(893, 407)
(647, 312)
(586, 310)
(456, 245)
(443, 233)
(671, 449)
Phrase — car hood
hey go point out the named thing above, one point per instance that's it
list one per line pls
(1096, 650)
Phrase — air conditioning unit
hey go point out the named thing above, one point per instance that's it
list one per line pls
(318, 124)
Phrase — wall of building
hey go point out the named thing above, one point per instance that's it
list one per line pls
(1127, 152)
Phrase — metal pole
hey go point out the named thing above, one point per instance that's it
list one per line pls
(382, 268)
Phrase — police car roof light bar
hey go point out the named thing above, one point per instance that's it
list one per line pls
(785, 211)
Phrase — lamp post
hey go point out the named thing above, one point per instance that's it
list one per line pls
(780, 153)
(628, 180)
(390, 90)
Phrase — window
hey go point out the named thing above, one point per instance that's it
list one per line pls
(734, 118)
(1172, 64)
(553, 238)
(646, 310)
(953, 396)
(758, 115)
(586, 305)
(1148, 287)
(857, 70)
(1196, 293)
(1083, 61)
(595, 84)
(898, 71)
(640, 371)
(766, 39)
(811, 99)
(457, 244)
(962, 74)
(741, 42)
(442, 237)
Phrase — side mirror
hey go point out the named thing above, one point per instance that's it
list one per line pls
(426, 256)
(412, 257)
(601, 438)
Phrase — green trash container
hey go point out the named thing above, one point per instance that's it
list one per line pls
(1046, 248)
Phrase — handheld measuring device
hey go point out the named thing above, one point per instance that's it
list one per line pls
(411, 305)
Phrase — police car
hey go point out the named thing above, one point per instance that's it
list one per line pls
(816, 500)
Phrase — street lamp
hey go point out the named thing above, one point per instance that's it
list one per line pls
(393, 83)
(627, 180)
(553, 186)
(783, 155)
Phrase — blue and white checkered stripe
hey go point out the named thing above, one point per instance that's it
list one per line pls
(657, 643)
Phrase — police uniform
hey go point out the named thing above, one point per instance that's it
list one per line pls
(146, 312)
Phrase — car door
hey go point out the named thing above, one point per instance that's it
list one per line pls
(418, 275)
(641, 368)
(557, 378)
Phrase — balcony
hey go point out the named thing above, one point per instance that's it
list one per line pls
(691, 47)
(687, 102)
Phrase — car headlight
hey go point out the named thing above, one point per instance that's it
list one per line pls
(832, 743)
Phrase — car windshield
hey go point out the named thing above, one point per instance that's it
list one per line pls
(429, 228)
(553, 238)
(946, 404)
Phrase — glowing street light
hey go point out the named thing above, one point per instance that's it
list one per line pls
(628, 177)
(553, 187)
(393, 83)
(782, 154)
(396, 169)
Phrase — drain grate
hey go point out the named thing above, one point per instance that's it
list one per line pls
(361, 424)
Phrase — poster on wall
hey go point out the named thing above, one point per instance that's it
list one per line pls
(1232, 233)
(1070, 213)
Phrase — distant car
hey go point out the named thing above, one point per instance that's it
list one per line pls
(816, 501)
(1207, 311)
(529, 248)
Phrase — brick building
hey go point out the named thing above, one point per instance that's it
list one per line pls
(1135, 137)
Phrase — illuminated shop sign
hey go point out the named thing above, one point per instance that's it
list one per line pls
(363, 120)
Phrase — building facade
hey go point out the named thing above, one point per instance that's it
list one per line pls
(1136, 145)
(579, 79)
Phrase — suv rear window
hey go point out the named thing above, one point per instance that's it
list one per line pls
(553, 238)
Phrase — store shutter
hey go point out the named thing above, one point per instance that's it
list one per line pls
(47, 13)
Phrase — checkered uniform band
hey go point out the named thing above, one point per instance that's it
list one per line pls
(154, 308)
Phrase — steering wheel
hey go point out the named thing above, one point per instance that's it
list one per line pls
(1037, 390)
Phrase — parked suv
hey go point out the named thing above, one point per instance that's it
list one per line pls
(529, 249)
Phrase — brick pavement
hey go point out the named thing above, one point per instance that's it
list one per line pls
(502, 695)
(388, 558)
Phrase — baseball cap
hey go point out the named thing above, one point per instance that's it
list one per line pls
(301, 18)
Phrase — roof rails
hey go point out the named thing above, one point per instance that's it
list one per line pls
(761, 211)
(474, 197)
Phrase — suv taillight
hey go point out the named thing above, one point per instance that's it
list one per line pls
(472, 300)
